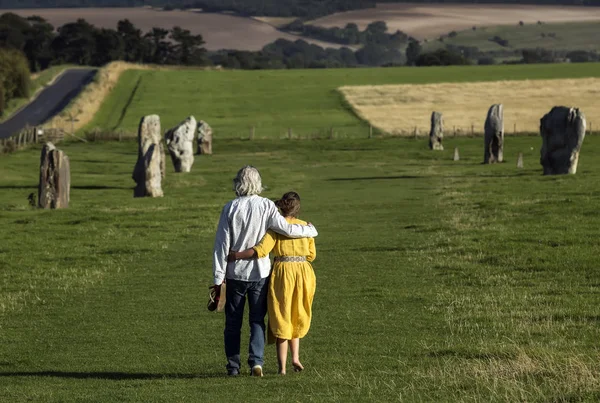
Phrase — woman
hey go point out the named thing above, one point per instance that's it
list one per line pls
(292, 285)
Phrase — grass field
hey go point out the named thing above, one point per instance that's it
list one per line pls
(402, 109)
(308, 101)
(436, 280)
(429, 21)
(561, 36)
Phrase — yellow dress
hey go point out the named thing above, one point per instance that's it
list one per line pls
(292, 285)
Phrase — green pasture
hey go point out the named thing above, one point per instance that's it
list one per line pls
(307, 101)
(554, 36)
(436, 280)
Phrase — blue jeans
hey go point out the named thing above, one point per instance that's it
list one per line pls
(234, 314)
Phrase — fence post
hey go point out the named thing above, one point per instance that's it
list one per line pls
(453, 131)
(290, 133)
(515, 129)
(331, 133)
(472, 129)
(591, 129)
(252, 133)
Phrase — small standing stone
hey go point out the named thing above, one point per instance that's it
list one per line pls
(55, 178)
(436, 135)
(180, 141)
(149, 168)
(562, 131)
(456, 154)
(494, 135)
(205, 134)
(520, 161)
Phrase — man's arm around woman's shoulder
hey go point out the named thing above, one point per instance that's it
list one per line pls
(279, 224)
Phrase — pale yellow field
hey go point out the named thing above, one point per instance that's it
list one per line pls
(427, 21)
(402, 109)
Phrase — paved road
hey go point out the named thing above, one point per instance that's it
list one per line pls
(49, 102)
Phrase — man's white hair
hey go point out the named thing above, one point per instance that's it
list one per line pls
(247, 182)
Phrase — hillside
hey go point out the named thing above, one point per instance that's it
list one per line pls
(306, 9)
(430, 21)
(219, 31)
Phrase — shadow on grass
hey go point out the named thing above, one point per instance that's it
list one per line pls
(101, 187)
(19, 186)
(368, 178)
(88, 187)
(114, 376)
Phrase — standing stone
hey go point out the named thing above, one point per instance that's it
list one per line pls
(562, 131)
(436, 135)
(204, 138)
(520, 164)
(180, 143)
(55, 178)
(149, 168)
(456, 154)
(494, 135)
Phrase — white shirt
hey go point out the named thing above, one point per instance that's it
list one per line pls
(243, 223)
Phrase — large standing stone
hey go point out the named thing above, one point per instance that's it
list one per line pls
(494, 135)
(55, 178)
(148, 171)
(180, 143)
(436, 134)
(562, 131)
(204, 138)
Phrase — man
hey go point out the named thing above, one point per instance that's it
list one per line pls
(243, 223)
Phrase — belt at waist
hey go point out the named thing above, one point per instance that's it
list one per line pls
(290, 259)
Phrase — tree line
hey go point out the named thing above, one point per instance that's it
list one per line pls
(375, 33)
(84, 44)
(81, 43)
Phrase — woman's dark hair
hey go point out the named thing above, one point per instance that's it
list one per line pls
(289, 204)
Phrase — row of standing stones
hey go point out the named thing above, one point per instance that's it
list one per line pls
(150, 168)
(562, 131)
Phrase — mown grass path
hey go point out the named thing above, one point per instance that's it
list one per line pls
(436, 280)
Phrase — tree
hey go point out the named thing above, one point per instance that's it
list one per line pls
(412, 52)
(75, 43)
(442, 57)
(15, 74)
(38, 43)
(538, 55)
(135, 46)
(352, 34)
(109, 47)
(159, 48)
(188, 48)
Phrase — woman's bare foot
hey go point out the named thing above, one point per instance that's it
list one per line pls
(281, 373)
(297, 366)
